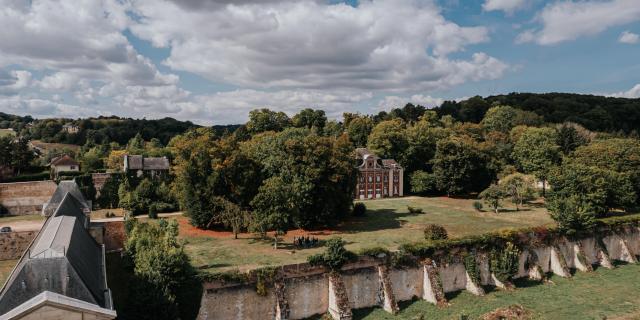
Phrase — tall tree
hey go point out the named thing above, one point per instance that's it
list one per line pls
(459, 166)
(388, 140)
(536, 152)
(262, 120)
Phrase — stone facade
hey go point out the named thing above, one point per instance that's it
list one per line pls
(22, 198)
(378, 178)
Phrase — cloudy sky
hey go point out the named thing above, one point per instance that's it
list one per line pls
(212, 61)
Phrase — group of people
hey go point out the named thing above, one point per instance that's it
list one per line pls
(305, 242)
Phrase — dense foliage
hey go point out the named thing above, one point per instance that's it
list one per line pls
(165, 285)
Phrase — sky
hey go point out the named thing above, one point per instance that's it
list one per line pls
(213, 61)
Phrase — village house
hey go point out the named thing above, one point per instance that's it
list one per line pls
(70, 128)
(150, 166)
(377, 178)
(64, 163)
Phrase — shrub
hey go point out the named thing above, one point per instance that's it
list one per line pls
(359, 209)
(435, 232)
(28, 177)
(477, 205)
(334, 257)
(373, 251)
(414, 210)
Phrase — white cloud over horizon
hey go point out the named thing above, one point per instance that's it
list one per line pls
(568, 20)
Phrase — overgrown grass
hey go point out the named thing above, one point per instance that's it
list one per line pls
(596, 295)
(5, 269)
(28, 217)
(387, 224)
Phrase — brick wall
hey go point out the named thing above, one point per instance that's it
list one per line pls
(13, 244)
(114, 235)
(21, 198)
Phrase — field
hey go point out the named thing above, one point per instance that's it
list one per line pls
(387, 223)
(603, 294)
(46, 146)
(7, 133)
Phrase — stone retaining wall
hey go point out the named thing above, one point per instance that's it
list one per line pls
(310, 291)
(22, 198)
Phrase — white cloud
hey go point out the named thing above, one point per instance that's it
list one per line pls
(631, 93)
(629, 37)
(378, 45)
(12, 82)
(72, 58)
(508, 6)
(568, 20)
(390, 102)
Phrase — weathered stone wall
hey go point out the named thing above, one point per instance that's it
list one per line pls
(13, 244)
(311, 291)
(236, 303)
(21, 198)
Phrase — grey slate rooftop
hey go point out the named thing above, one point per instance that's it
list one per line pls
(63, 258)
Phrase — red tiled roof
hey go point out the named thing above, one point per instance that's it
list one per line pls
(64, 160)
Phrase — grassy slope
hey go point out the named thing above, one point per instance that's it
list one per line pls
(594, 295)
(5, 269)
(387, 224)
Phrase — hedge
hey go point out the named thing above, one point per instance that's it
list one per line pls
(41, 176)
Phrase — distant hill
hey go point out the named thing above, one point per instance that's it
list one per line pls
(596, 113)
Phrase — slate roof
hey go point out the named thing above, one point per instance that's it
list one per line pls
(64, 160)
(63, 258)
(63, 188)
(138, 162)
(361, 153)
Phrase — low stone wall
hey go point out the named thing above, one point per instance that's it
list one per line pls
(306, 291)
(13, 244)
(22, 198)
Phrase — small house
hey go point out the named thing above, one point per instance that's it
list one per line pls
(64, 163)
(70, 128)
(149, 166)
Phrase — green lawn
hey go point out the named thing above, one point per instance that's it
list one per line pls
(387, 223)
(5, 269)
(603, 293)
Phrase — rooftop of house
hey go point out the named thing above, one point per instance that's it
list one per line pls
(64, 160)
(63, 259)
(362, 153)
(138, 162)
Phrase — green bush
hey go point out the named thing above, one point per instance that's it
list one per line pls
(373, 251)
(334, 257)
(435, 232)
(359, 209)
(414, 210)
(477, 205)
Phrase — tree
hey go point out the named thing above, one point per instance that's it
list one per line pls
(422, 138)
(519, 187)
(423, 182)
(92, 160)
(359, 129)
(571, 136)
(458, 166)
(262, 120)
(276, 205)
(334, 257)
(388, 140)
(536, 152)
(136, 144)
(115, 160)
(232, 216)
(493, 196)
(618, 155)
(599, 189)
(500, 118)
(572, 213)
(163, 273)
(309, 118)
(21, 154)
